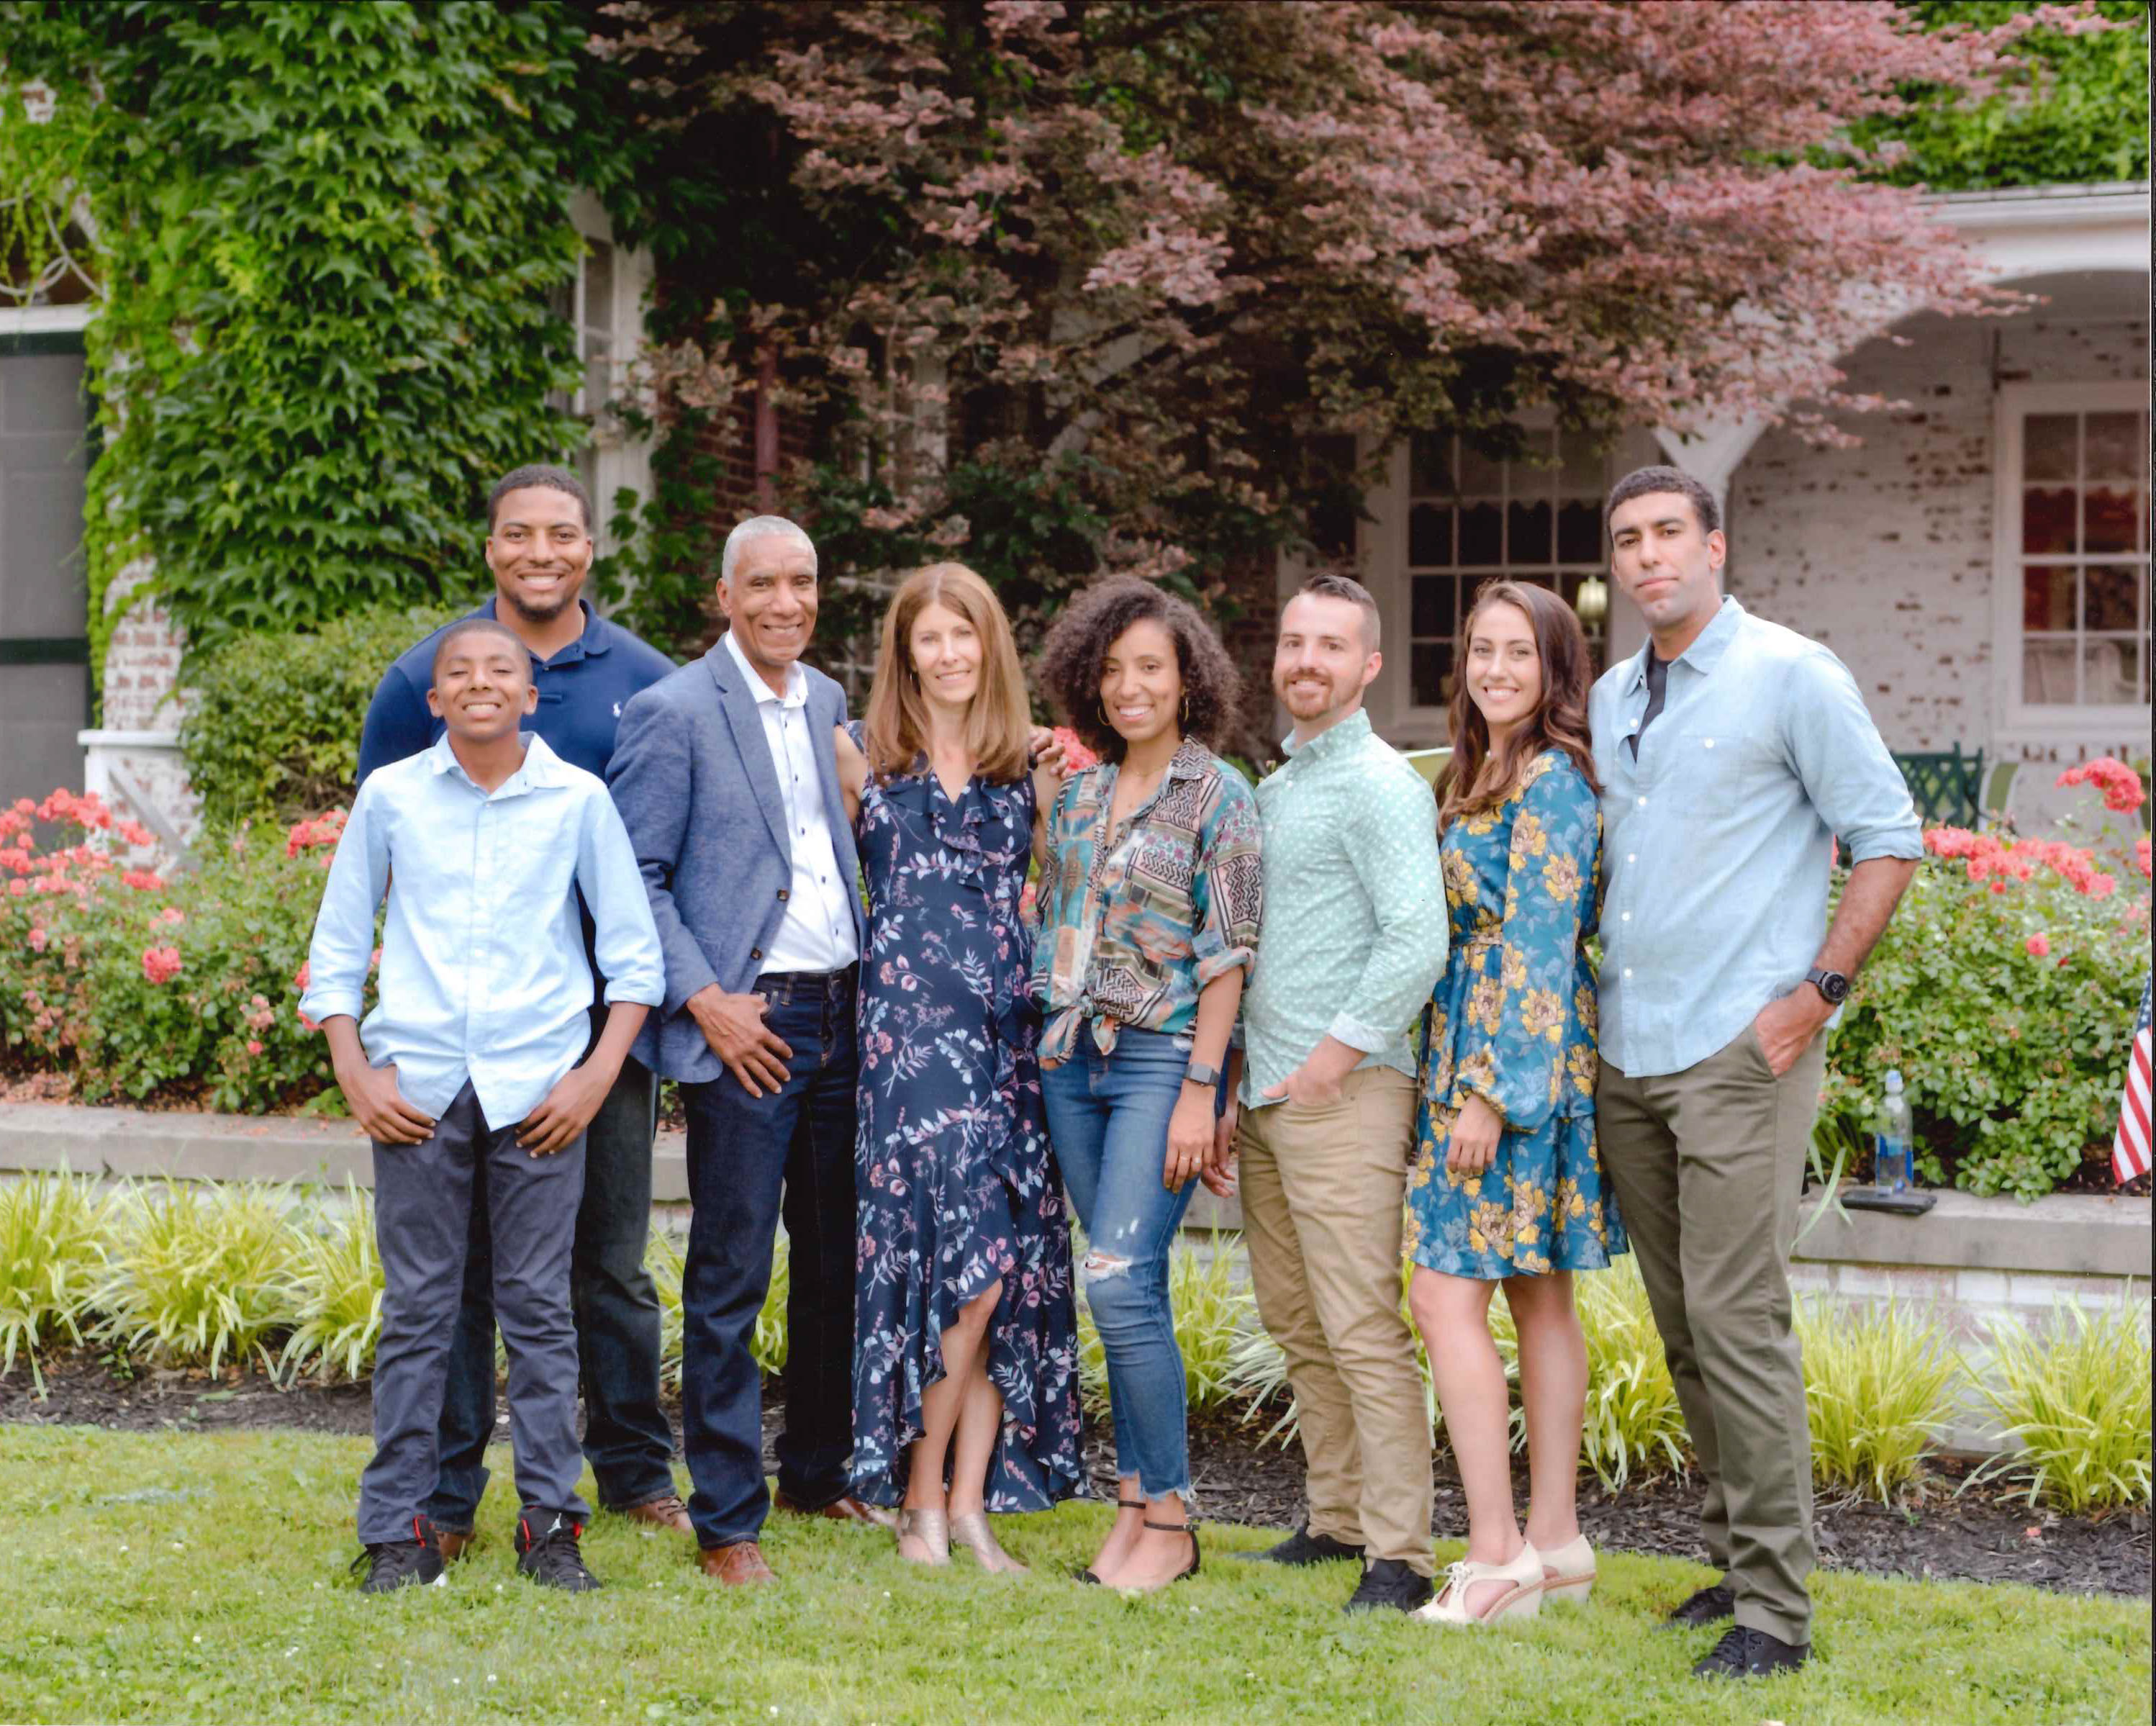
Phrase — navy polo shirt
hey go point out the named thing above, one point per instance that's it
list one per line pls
(581, 691)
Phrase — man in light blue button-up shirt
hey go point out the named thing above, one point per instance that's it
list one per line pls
(1733, 752)
(470, 1076)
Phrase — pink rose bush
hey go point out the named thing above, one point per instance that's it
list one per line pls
(2004, 990)
(137, 979)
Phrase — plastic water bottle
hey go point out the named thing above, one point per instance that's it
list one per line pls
(1890, 1152)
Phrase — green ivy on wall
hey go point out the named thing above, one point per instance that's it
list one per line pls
(2071, 110)
(327, 238)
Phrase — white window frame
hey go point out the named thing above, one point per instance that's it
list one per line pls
(614, 459)
(2017, 720)
(1386, 537)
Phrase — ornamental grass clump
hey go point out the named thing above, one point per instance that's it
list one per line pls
(2073, 1400)
(336, 1288)
(1878, 1389)
(1634, 1425)
(200, 1275)
(1215, 1317)
(51, 1259)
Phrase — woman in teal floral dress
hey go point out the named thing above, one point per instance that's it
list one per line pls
(1508, 1185)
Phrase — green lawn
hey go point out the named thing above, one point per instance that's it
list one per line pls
(202, 1579)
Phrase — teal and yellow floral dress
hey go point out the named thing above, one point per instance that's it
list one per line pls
(1512, 1021)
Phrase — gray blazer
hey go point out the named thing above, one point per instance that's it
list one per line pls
(692, 776)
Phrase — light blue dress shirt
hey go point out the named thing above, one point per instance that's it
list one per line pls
(483, 969)
(1717, 842)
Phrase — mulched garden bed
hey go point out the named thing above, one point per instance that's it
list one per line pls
(1980, 1536)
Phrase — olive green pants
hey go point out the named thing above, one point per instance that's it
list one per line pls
(1708, 1164)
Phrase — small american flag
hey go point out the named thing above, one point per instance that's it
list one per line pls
(2129, 1150)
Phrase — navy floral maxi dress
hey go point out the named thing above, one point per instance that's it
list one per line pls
(956, 1186)
(1512, 1022)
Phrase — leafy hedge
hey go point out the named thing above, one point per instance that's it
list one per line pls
(139, 986)
(2004, 990)
(272, 727)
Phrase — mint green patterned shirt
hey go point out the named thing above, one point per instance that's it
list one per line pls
(1354, 938)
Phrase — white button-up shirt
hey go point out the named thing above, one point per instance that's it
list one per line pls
(818, 933)
(484, 975)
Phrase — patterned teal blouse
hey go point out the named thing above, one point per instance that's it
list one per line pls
(1135, 923)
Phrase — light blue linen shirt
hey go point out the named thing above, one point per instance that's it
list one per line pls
(1716, 844)
(483, 969)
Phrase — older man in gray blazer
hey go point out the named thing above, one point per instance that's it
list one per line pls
(724, 774)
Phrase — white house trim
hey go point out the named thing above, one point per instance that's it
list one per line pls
(2018, 721)
(44, 319)
(2042, 230)
(616, 458)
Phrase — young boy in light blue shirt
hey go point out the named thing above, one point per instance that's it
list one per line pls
(475, 1062)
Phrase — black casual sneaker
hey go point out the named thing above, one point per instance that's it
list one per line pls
(1709, 1606)
(392, 1565)
(1744, 1653)
(1389, 1582)
(551, 1557)
(1303, 1547)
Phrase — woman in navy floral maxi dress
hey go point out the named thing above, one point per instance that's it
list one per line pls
(966, 1348)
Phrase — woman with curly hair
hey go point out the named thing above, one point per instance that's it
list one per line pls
(965, 1335)
(1150, 899)
(1508, 1184)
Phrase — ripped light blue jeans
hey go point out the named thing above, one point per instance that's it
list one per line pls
(1108, 1116)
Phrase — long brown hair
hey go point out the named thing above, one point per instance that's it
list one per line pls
(1000, 723)
(1560, 721)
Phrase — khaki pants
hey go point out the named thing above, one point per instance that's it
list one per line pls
(1323, 1190)
(1707, 1165)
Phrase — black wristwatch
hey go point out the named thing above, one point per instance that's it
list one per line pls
(1198, 1073)
(1832, 985)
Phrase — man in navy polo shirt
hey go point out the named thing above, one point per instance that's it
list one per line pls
(539, 546)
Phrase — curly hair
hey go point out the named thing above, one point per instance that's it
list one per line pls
(1077, 646)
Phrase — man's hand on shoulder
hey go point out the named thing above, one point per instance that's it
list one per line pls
(733, 1026)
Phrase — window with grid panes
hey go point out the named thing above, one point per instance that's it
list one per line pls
(1471, 519)
(2083, 554)
(586, 303)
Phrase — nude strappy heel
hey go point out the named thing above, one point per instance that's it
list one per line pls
(931, 1529)
(972, 1532)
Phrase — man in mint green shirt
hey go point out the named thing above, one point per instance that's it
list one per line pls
(1351, 943)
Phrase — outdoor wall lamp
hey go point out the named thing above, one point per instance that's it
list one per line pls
(1592, 601)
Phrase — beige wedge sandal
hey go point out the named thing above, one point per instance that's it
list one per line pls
(1568, 1572)
(1521, 1598)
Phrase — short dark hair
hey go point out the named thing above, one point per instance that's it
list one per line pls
(475, 626)
(538, 473)
(1077, 646)
(1338, 584)
(1642, 480)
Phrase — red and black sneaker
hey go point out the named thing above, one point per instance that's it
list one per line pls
(551, 1557)
(392, 1565)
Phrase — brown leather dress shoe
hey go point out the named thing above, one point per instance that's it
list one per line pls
(848, 1510)
(454, 1545)
(739, 1565)
(666, 1511)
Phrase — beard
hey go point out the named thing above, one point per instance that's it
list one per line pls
(1324, 692)
(541, 614)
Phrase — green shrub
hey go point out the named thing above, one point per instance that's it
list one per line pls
(200, 1275)
(138, 984)
(271, 730)
(2075, 1401)
(2004, 990)
(51, 1259)
(336, 1288)
(1877, 1389)
(1634, 1425)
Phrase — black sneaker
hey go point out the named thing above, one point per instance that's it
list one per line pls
(1709, 1606)
(1303, 1547)
(392, 1565)
(1744, 1653)
(551, 1557)
(1389, 1582)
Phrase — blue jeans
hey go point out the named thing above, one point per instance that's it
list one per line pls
(1108, 1116)
(744, 1153)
